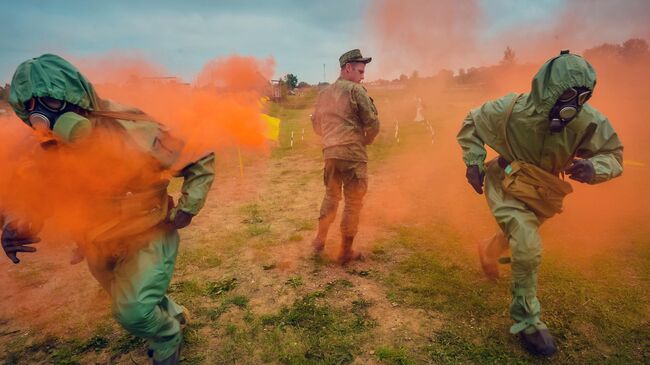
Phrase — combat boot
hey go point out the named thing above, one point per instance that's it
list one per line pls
(318, 244)
(347, 253)
(319, 241)
(77, 256)
(538, 342)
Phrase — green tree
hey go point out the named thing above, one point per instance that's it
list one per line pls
(291, 80)
(508, 57)
(634, 48)
(4, 92)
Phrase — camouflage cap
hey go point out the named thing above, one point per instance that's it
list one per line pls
(353, 56)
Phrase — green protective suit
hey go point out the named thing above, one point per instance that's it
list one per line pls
(132, 254)
(589, 136)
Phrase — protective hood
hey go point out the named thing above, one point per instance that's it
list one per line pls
(558, 74)
(50, 75)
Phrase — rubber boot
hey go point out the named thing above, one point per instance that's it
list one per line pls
(174, 359)
(538, 342)
(489, 251)
(347, 253)
(184, 318)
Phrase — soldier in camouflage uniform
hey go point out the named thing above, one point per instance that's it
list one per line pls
(346, 119)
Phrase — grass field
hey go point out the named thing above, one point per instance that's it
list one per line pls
(258, 294)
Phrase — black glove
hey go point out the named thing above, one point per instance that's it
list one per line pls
(14, 240)
(475, 178)
(581, 170)
(182, 219)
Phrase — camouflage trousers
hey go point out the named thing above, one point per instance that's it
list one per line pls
(347, 179)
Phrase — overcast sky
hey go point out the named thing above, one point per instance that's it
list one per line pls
(183, 35)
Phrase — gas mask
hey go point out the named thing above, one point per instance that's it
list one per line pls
(567, 107)
(56, 120)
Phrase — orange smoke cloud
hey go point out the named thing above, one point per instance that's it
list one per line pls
(432, 35)
(423, 35)
(77, 186)
(81, 186)
(432, 188)
(221, 108)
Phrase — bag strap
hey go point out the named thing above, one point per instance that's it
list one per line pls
(505, 125)
(124, 115)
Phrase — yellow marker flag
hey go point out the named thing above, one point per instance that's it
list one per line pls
(273, 127)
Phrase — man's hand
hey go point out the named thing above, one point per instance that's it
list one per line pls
(581, 170)
(182, 219)
(367, 139)
(475, 178)
(15, 240)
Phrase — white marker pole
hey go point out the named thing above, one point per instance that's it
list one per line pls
(302, 136)
(291, 139)
(431, 130)
(241, 163)
(397, 130)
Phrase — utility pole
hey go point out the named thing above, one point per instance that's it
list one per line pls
(324, 78)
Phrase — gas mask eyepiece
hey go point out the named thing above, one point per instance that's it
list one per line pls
(56, 120)
(44, 111)
(567, 107)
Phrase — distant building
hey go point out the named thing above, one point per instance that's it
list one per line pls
(276, 90)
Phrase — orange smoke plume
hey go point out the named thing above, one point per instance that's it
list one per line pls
(221, 108)
(423, 35)
(423, 182)
(428, 36)
(81, 186)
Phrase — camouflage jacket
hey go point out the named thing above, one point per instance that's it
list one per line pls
(346, 119)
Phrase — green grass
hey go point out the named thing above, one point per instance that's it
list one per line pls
(310, 331)
(216, 288)
(294, 282)
(255, 223)
(252, 311)
(295, 237)
(71, 351)
(393, 356)
(238, 301)
(590, 320)
(328, 335)
(302, 224)
(203, 257)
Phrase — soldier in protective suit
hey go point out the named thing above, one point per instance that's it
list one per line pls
(131, 248)
(538, 136)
